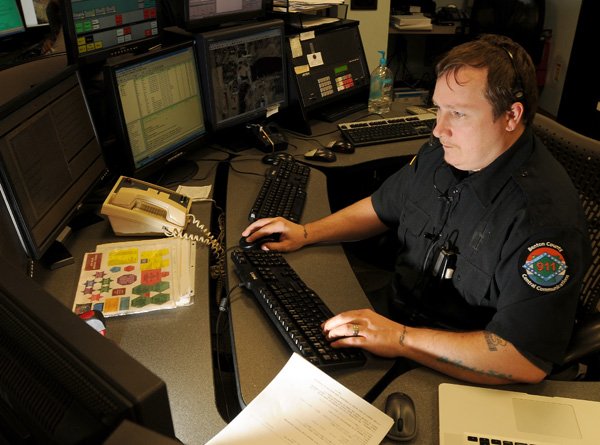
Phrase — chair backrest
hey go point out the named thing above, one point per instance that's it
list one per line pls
(580, 155)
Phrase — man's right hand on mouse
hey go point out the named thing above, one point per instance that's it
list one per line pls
(292, 236)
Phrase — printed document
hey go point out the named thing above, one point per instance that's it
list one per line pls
(303, 405)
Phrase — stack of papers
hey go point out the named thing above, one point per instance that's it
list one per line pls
(303, 405)
(303, 5)
(137, 276)
(415, 22)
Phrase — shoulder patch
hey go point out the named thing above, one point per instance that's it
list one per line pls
(545, 267)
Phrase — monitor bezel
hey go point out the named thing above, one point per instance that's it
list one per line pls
(120, 155)
(133, 47)
(204, 41)
(34, 249)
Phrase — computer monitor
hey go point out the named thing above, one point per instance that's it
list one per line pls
(243, 71)
(157, 105)
(329, 70)
(95, 30)
(11, 21)
(61, 381)
(50, 160)
(198, 14)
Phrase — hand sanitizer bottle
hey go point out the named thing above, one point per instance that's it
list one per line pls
(382, 80)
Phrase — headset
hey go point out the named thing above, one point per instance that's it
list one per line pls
(517, 91)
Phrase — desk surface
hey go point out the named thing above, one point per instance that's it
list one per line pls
(177, 345)
(259, 352)
(174, 344)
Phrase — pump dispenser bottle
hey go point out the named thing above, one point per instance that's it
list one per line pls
(380, 96)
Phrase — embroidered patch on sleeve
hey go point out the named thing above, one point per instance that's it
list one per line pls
(545, 267)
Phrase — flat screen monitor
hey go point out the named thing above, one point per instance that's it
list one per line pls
(50, 159)
(34, 12)
(244, 75)
(156, 100)
(11, 21)
(204, 13)
(329, 67)
(62, 382)
(95, 30)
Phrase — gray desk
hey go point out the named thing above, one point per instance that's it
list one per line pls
(174, 344)
(259, 353)
(421, 385)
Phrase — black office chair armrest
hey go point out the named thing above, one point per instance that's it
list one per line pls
(585, 340)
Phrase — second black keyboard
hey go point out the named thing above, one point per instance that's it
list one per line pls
(380, 131)
(295, 310)
(283, 192)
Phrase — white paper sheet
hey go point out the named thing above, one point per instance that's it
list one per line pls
(303, 405)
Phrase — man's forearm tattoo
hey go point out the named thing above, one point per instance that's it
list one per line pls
(489, 372)
(402, 335)
(493, 341)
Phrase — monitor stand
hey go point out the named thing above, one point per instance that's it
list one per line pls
(263, 137)
(58, 255)
(178, 171)
(334, 113)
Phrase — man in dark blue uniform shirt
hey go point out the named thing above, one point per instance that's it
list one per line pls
(493, 241)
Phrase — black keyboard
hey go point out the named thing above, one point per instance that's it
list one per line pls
(283, 192)
(295, 310)
(380, 131)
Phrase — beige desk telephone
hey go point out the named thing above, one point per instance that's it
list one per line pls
(136, 207)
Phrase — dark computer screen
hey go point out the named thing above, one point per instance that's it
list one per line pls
(328, 67)
(50, 159)
(156, 100)
(243, 72)
(11, 21)
(61, 382)
(98, 29)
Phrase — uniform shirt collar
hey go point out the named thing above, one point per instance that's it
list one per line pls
(488, 182)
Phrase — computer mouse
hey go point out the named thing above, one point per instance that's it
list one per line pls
(245, 245)
(272, 157)
(321, 154)
(400, 407)
(341, 146)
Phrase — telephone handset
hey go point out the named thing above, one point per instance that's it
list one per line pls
(136, 207)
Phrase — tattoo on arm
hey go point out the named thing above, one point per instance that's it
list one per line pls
(402, 335)
(489, 372)
(493, 341)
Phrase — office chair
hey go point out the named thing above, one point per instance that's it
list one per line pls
(580, 156)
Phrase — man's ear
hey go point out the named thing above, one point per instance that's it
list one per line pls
(514, 116)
